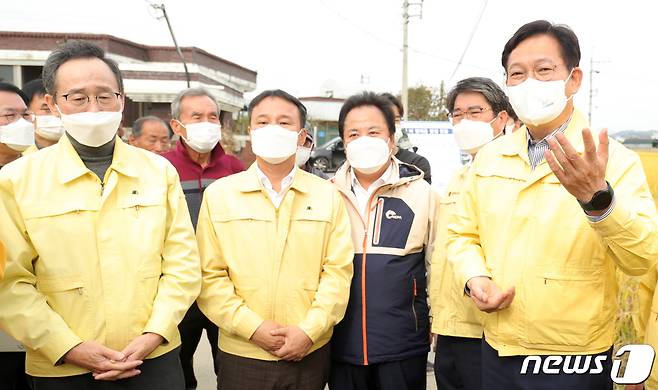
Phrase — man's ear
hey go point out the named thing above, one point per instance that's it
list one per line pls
(503, 117)
(178, 128)
(574, 82)
(301, 138)
(50, 101)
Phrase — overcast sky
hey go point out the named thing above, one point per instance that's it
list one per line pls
(310, 46)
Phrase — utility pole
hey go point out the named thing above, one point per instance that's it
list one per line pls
(591, 88)
(592, 91)
(405, 50)
(405, 47)
(180, 53)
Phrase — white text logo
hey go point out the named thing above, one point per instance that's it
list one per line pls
(637, 368)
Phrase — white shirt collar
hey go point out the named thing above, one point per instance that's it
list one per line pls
(362, 195)
(286, 182)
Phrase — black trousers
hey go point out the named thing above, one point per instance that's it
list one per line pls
(161, 373)
(240, 373)
(407, 374)
(12, 371)
(458, 363)
(191, 329)
(504, 373)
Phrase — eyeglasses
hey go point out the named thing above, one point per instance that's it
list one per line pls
(472, 113)
(541, 72)
(104, 100)
(12, 117)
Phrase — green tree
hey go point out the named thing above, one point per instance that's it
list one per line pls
(427, 103)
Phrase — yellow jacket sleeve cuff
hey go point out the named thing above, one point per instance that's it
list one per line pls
(313, 327)
(471, 271)
(246, 323)
(614, 223)
(58, 345)
(163, 327)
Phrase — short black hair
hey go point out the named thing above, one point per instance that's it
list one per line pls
(8, 87)
(366, 99)
(394, 102)
(283, 95)
(73, 50)
(491, 92)
(569, 46)
(34, 88)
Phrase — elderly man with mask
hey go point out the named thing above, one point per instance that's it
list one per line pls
(275, 293)
(48, 127)
(545, 219)
(480, 113)
(102, 260)
(200, 160)
(16, 124)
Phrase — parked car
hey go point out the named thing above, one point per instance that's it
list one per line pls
(330, 156)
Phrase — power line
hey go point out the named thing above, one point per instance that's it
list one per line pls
(470, 38)
(393, 45)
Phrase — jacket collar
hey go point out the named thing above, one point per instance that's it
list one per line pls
(215, 155)
(517, 142)
(71, 167)
(402, 173)
(252, 181)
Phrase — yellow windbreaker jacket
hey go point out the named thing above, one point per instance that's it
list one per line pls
(93, 262)
(454, 314)
(522, 228)
(292, 265)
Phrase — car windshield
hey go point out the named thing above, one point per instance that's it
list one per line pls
(329, 143)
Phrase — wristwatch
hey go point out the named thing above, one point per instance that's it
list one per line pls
(600, 201)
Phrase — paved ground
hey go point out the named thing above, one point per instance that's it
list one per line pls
(206, 376)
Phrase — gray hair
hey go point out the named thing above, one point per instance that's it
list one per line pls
(139, 124)
(72, 50)
(490, 90)
(175, 105)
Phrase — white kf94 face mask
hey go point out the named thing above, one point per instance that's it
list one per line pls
(538, 102)
(18, 135)
(302, 155)
(367, 154)
(92, 128)
(274, 143)
(202, 137)
(472, 135)
(49, 127)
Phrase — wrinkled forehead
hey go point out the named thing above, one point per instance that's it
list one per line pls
(85, 75)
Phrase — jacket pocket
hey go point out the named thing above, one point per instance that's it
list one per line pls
(564, 306)
(67, 296)
(419, 307)
(147, 289)
(300, 299)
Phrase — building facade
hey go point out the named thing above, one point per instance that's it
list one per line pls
(153, 75)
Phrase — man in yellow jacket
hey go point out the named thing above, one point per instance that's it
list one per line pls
(545, 219)
(276, 256)
(102, 262)
(480, 112)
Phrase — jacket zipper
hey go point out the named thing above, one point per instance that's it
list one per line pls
(413, 304)
(364, 332)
